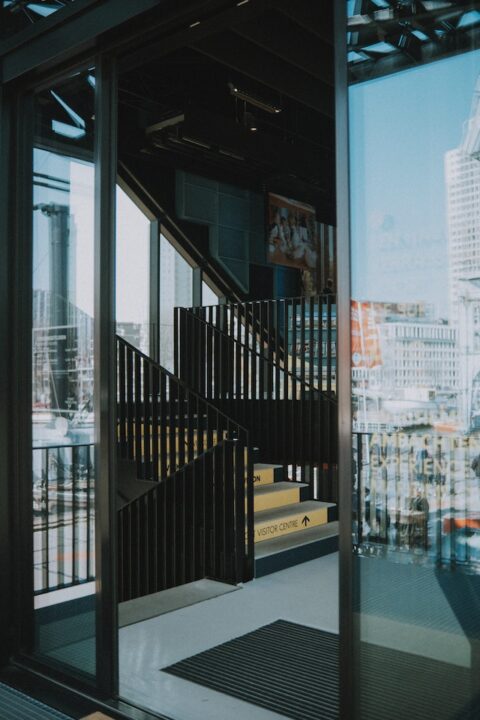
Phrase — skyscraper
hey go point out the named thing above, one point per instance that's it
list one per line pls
(462, 174)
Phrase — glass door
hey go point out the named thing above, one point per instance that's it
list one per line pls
(415, 270)
(64, 478)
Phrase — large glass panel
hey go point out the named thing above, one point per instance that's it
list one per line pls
(133, 273)
(209, 297)
(415, 259)
(62, 373)
(176, 284)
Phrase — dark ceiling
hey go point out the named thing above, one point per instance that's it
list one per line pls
(179, 109)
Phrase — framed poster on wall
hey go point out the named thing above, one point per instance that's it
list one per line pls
(292, 236)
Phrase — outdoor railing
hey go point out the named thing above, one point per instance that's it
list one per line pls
(63, 516)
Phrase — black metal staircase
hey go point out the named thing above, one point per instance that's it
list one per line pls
(191, 502)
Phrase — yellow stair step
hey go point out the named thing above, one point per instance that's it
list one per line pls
(276, 495)
(264, 474)
(270, 524)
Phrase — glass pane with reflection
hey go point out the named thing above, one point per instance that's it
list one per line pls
(133, 273)
(415, 314)
(176, 284)
(62, 374)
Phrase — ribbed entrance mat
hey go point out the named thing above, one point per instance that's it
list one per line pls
(15, 705)
(293, 671)
(284, 667)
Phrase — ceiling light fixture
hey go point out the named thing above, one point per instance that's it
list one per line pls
(194, 24)
(250, 122)
(252, 100)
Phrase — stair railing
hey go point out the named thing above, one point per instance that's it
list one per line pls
(175, 437)
(282, 390)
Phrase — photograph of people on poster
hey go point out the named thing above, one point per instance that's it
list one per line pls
(292, 237)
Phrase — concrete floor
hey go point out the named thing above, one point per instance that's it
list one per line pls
(306, 594)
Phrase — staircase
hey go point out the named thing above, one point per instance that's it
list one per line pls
(289, 527)
(191, 504)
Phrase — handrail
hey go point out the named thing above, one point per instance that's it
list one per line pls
(179, 381)
(271, 362)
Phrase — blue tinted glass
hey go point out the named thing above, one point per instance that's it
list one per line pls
(415, 331)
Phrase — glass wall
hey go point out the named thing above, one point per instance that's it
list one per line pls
(176, 284)
(414, 115)
(209, 296)
(62, 373)
(133, 273)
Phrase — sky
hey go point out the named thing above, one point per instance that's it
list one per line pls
(401, 126)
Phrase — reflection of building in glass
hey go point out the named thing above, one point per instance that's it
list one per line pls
(134, 333)
(419, 355)
(417, 380)
(469, 352)
(462, 176)
(62, 358)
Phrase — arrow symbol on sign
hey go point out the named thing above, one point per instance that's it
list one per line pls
(305, 520)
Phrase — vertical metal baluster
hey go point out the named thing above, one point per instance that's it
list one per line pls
(311, 440)
(261, 350)
(138, 415)
(238, 357)
(303, 420)
(245, 359)
(238, 477)
(209, 352)
(155, 422)
(330, 421)
(181, 439)
(276, 401)
(163, 426)
(89, 505)
(46, 516)
(191, 402)
(155, 540)
(130, 406)
(282, 442)
(172, 425)
(178, 341)
(75, 461)
(122, 409)
(294, 426)
(147, 418)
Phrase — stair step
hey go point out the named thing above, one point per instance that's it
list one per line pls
(265, 474)
(284, 552)
(271, 524)
(276, 495)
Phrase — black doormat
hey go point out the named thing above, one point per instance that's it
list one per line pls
(15, 705)
(284, 667)
(292, 670)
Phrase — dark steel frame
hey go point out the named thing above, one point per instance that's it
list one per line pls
(6, 197)
(74, 34)
(105, 373)
(348, 631)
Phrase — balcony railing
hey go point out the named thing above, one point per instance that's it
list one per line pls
(63, 516)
